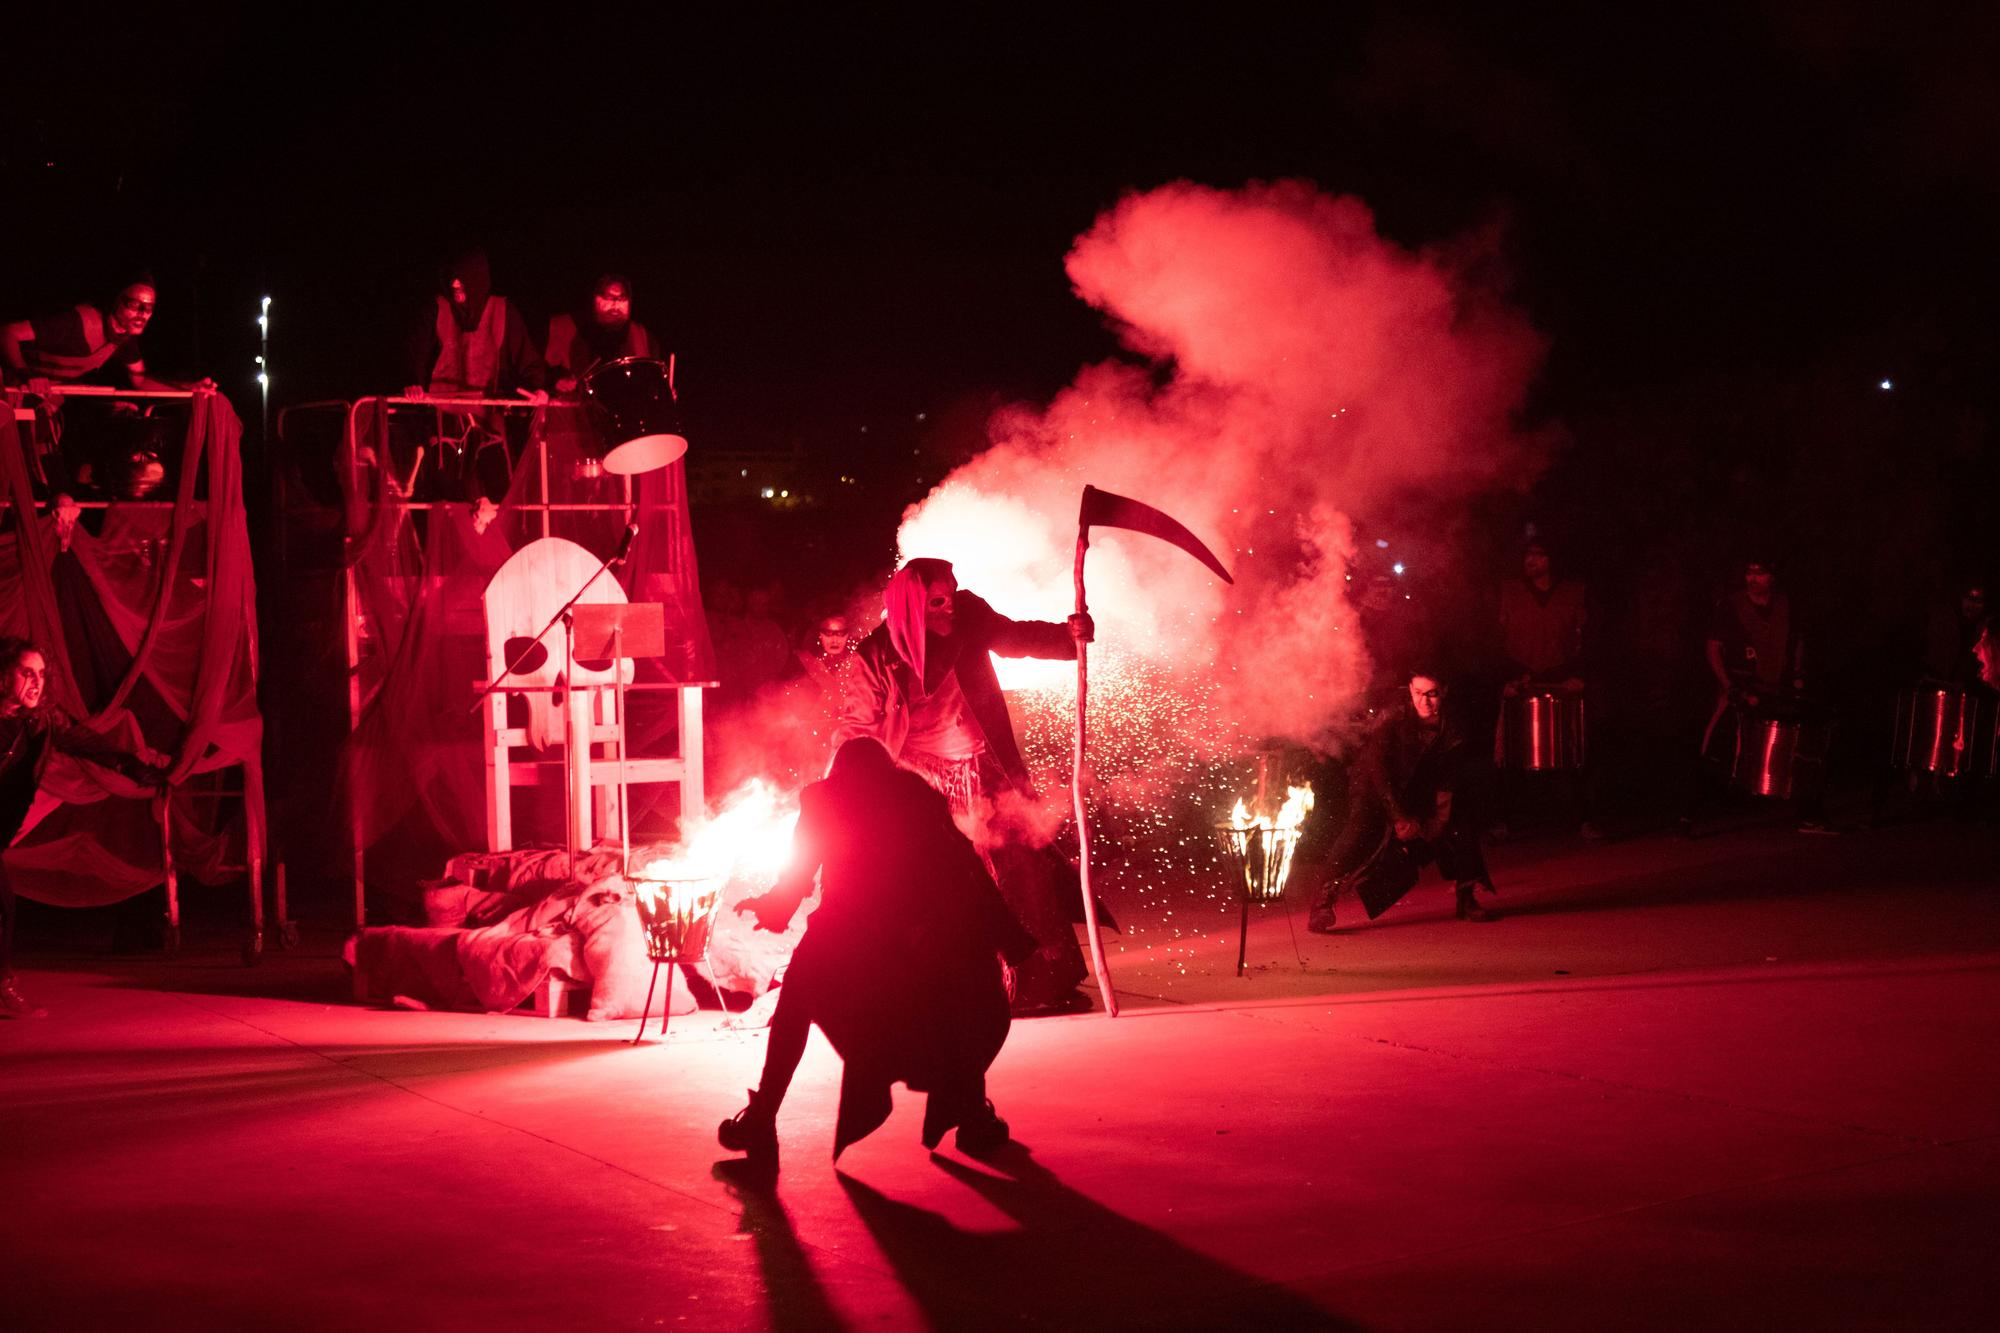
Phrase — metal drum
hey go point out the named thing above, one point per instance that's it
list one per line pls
(636, 424)
(1543, 732)
(1770, 751)
(1944, 729)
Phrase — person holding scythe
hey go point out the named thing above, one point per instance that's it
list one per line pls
(923, 685)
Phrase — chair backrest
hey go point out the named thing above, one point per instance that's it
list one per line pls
(520, 598)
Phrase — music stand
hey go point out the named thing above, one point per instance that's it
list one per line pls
(617, 630)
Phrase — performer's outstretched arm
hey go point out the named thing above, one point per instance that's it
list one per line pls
(1020, 638)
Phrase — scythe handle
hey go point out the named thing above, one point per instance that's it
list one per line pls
(1076, 792)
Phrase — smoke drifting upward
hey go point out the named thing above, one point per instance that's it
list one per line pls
(1292, 368)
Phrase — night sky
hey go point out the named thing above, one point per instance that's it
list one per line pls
(839, 222)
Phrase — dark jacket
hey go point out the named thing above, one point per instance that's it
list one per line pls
(26, 742)
(899, 965)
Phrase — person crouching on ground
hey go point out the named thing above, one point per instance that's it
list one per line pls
(900, 963)
(29, 733)
(1410, 802)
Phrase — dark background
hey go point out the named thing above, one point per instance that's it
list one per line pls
(1732, 222)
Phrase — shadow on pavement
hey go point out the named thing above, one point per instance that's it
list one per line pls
(1068, 1262)
(792, 1291)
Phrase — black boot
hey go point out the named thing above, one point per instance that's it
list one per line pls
(1319, 916)
(982, 1132)
(1468, 905)
(752, 1131)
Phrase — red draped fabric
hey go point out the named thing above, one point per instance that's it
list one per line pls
(413, 771)
(175, 588)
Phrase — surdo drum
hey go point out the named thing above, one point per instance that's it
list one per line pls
(635, 424)
(1543, 732)
(1944, 729)
(1771, 750)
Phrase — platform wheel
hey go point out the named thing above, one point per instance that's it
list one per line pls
(253, 949)
(288, 935)
(170, 939)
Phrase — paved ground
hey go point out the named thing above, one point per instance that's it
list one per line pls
(1751, 1081)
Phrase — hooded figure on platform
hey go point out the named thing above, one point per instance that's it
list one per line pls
(900, 963)
(924, 686)
(473, 341)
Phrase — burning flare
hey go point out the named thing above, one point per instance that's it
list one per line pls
(749, 838)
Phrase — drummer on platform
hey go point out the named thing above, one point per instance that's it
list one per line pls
(605, 331)
(472, 341)
(1542, 619)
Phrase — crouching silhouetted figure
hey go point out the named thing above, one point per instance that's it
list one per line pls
(899, 966)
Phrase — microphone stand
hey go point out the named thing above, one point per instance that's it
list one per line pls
(564, 615)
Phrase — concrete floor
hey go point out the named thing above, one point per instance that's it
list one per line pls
(1747, 1082)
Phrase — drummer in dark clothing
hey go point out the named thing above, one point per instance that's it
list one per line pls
(605, 331)
(1757, 657)
(1412, 799)
(1542, 621)
(1952, 634)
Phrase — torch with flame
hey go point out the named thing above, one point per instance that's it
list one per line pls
(1260, 846)
(677, 894)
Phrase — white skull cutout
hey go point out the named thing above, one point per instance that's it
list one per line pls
(523, 594)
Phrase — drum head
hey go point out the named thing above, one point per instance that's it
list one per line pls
(636, 421)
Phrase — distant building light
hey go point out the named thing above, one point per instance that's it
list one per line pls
(1382, 543)
(770, 494)
(1886, 385)
(1398, 567)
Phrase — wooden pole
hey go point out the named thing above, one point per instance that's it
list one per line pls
(1076, 792)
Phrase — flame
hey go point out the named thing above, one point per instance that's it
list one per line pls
(1290, 818)
(677, 898)
(1264, 843)
(749, 837)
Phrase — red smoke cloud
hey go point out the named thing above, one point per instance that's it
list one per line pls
(1294, 368)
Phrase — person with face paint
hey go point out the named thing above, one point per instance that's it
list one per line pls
(86, 345)
(29, 732)
(923, 685)
(1411, 800)
(605, 331)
